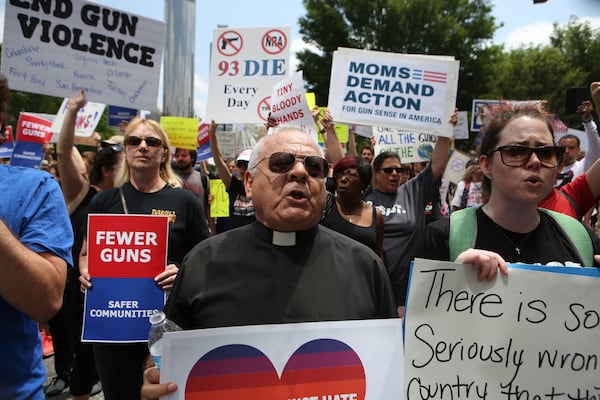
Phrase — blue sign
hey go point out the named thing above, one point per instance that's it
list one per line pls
(116, 115)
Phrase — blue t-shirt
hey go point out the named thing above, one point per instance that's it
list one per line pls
(33, 208)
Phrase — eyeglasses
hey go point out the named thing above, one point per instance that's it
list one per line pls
(518, 155)
(136, 140)
(348, 175)
(282, 162)
(241, 164)
(398, 170)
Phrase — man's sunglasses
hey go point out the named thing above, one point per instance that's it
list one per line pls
(518, 155)
(398, 170)
(136, 140)
(282, 162)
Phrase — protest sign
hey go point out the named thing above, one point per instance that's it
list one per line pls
(456, 167)
(88, 117)
(118, 115)
(461, 129)
(407, 92)
(346, 360)
(411, 147)
(204, 152)
(533, 334)
(245, 65)
(32, 132)
(125, 253)
(289, 106)
(182, 131)
(219, 207)
(60, 48)
(481, 110)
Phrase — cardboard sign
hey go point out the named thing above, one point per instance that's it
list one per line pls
(245, 65)
(406, 92)
(219, 207)
(182, 131)
(346, 360)
(88, 117)
(532, 334)
(62, 47)
(125, 253)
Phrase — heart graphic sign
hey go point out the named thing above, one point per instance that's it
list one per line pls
(321, 369)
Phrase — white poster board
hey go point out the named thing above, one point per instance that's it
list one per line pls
(289, 106)
(60, 48)
(88, 117)
(349, 360)
(245, 65)
(414, 93)
(533, 334)
(456, 167)
(410, 146)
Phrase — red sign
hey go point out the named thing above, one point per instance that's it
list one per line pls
(127, 246)
(203, 131)
(33, 129)
(264, 108)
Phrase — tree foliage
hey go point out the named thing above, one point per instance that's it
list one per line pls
(459, 28)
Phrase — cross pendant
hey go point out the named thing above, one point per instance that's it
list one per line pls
(518, 250)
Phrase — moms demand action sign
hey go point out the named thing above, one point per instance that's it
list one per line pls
(533, 334)
(125, 253)
(64, 46)
(414, 93)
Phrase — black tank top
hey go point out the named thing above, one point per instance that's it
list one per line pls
(366, 235)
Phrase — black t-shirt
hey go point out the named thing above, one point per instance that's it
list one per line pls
(547, 244)
(241, 209)
(187, 224)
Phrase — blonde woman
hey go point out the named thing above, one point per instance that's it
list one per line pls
(145, 184)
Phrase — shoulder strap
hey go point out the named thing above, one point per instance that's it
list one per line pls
(577, 235)
(572, 202)
(463, 231)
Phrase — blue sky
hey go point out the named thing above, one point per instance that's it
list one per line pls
(523, 22)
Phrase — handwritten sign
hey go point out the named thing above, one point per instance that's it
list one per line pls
(407, 92)
(245, 65)
(62, 47)
(410, 146)
(88, 117)
(531, 335)
(289, 106)
(125, 253)
(346, 360)
(182, 132)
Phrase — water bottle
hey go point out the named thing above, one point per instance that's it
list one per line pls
(160, 325)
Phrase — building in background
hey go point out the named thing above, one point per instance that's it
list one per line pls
(178, 63)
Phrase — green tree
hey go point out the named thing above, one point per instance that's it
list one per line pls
(459, 28)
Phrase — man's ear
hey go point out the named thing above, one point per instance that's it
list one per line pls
(248, 179)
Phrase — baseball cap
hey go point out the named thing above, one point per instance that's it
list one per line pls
(244, 155)
(115, 139)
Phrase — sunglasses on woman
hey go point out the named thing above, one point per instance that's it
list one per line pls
(136, 140)
(399, 170)
(282, 162)
(518, 155)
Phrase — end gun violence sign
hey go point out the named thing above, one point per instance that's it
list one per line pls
(125, 253)
(60, 47)
(414, 93)
(533, 334)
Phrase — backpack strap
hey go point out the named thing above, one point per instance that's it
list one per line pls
(463, 231)
(577, 235)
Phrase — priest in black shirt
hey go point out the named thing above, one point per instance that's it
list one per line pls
(284, 267)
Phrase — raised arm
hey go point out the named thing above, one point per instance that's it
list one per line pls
(441, 151)
(222, 169)
(73, 174)
(591, 130)
(352, 151)
(334, 151)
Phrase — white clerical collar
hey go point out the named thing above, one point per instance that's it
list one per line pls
(284, 238)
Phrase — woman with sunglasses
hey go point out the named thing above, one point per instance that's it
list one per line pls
(74, 361)
(519, 162)
(145, 184)
(406, 204)
(348, 213)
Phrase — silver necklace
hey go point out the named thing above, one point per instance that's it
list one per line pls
(516, 246)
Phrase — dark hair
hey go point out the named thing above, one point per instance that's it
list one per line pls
(569, 136)
(107, 157)
(363, 168)
(500, 116)
(193, 154)
(367, 148)
(381, 157)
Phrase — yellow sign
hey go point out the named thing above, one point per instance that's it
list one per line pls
(182, 132)
(219, 207)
